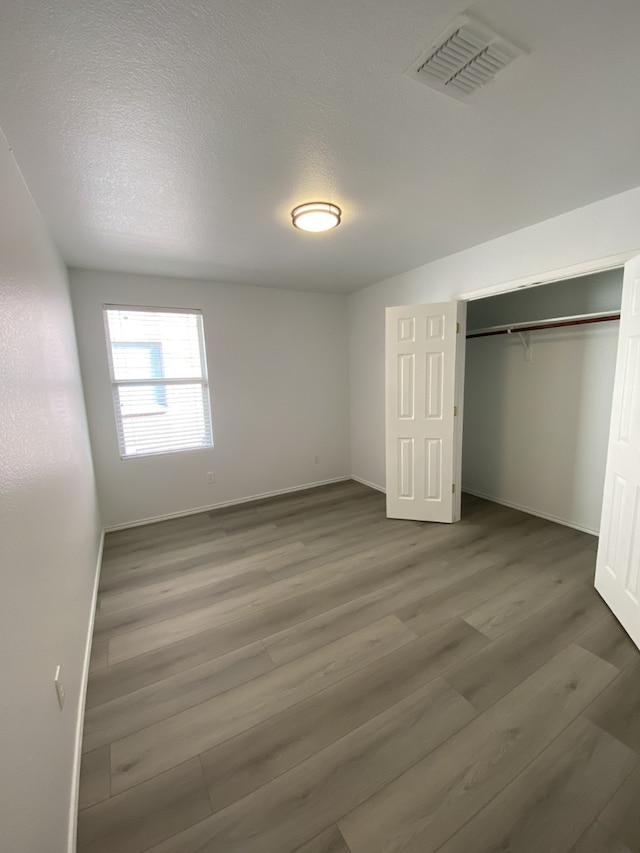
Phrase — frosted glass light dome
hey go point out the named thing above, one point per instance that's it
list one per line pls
(316, 216)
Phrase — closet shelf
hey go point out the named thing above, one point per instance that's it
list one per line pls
(553, 323)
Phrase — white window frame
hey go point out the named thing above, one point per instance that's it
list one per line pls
(203, 380)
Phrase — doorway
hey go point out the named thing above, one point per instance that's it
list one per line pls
(537, 403)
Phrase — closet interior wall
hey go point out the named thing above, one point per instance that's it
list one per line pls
(536, 426)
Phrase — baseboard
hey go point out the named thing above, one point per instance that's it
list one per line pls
(237, 501)
(531, 511)
(77, 758)
(367, 483)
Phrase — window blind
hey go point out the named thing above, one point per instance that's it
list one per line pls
(159, 379)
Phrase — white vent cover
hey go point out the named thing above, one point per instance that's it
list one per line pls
(465, 57)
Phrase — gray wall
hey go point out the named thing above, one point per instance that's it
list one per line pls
(279, 394)
(584, 295)
(588, 234)
(49, 531)
(536, 432)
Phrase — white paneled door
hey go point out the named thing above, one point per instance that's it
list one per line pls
(424, 370)
(618, 565)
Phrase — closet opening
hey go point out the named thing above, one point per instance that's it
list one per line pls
(539, 373)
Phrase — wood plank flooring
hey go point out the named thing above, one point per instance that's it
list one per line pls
(302, 675)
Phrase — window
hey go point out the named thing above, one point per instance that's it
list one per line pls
(159, 380)
(140, 358)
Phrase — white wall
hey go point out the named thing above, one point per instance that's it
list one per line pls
(277, 363)
(584, 295)
(536, 432)
(598, 230)
(49, 530)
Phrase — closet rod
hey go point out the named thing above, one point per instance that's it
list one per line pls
(554, 323)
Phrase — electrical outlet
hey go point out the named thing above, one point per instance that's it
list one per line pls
(316, 459)
(211, 477)
(57, 680)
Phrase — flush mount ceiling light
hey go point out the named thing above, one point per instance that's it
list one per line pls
(316, 216)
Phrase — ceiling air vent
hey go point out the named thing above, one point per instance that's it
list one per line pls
(465, 57)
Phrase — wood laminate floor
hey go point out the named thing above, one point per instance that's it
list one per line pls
(302, 675)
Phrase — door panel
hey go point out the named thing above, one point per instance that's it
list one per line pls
(422, 378)
(618, 564)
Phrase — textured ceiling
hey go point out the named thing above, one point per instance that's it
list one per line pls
(175, 137)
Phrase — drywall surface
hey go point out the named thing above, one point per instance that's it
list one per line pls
(49, 530)
(599, 230)
(536, 432)
(536, 429)
(584, 295)
(278, 372)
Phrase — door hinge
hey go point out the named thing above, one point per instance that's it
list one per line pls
(457, 328)
(455, 411)
(453, 488)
